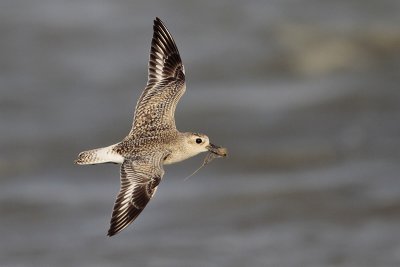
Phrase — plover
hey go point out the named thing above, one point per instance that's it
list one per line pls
(154, 139)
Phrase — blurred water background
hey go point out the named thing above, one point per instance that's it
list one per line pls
(305, 94)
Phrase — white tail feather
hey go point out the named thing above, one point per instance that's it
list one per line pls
(99, 155)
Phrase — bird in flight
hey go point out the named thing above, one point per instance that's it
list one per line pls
(154, 139)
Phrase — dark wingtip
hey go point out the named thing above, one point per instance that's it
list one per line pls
(158, 21)
(112, 232)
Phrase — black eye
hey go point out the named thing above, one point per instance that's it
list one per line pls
(198, 140)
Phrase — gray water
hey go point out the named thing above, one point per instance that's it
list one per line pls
(304, 94)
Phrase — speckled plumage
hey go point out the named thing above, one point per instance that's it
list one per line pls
(153, 140)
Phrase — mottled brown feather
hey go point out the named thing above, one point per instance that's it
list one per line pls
(139, 180)
(155, 108)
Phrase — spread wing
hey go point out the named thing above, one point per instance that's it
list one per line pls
(166, 84)
(139, 180)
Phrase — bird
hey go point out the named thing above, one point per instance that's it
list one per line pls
(154, 140)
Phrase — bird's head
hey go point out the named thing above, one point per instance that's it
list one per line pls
(198, 143)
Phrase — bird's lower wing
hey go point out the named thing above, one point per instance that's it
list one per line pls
(139, 180)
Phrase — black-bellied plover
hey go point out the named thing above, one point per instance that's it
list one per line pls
(154, 139)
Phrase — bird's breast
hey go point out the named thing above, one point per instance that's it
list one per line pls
(178, 156)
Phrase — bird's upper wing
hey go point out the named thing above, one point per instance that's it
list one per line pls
(139, 180)
(166, 84)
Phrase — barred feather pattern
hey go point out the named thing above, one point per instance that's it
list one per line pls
(155, 108)
(140, 177)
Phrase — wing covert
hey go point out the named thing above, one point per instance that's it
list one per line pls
(166, 84)
(139, 180)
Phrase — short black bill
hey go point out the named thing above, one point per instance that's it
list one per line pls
(214, 152)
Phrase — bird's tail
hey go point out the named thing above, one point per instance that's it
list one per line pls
(99, 155)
